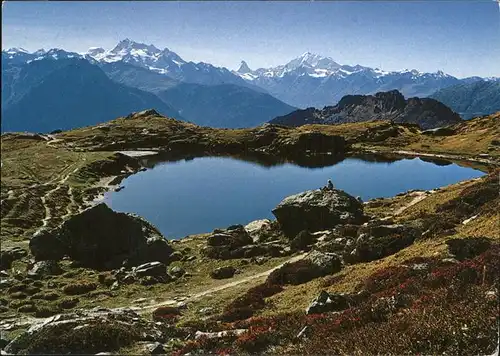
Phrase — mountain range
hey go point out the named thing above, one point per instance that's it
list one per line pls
(389, 106)
(198, 92)
(471, 99)
(315, 81)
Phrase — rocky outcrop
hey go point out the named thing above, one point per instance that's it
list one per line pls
(317, 264)
(326, 302)
(236, 242)
(391, 106)
(44, 268)
(378, 239)
(223, 272)
(317, 210)
(103, 239)
(85, 332)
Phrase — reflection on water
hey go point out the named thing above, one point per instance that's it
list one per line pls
(196, 195)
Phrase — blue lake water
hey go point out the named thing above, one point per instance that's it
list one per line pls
(199, 195)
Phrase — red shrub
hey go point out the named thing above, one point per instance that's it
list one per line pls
(244, 306)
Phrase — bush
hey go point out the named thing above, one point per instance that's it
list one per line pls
(79, 288)
(166, 314)
(244, 306)
(468, 247)
(46, 310)
(68, 303)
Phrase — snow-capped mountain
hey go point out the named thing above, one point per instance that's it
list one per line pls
(149, 57)
(164, 62)
(311, 80)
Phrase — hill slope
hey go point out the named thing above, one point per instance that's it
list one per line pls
(225, 105)
(471, 99)
(392, 106)
(70, 93)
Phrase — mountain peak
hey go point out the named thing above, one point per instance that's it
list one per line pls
(244, 68)
(128, 45)
(15, 50)
(312, 60)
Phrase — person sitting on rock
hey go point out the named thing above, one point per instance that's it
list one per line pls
(329, 184)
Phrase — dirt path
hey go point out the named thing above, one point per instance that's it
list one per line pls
(48, 214)
(419, 197)
(206, 292)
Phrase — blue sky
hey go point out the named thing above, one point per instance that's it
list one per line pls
(460, 37)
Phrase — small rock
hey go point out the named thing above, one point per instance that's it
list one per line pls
(302, 332)
(420, 266)
(155, 348)
(206, 311)
(448, 261)
(177, 271)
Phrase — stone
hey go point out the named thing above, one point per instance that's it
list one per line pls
(102, 239)
(234, 236)
(259, 230)
(177, 272)
(317, 210)
(206, 311)
(151, 269)
(326, 302)
(45, 268)
(219, 334)
(223, 272)
(155, 348)
(327, 263)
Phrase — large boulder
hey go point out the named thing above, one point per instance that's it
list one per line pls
(316, 210)
(103, 239)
